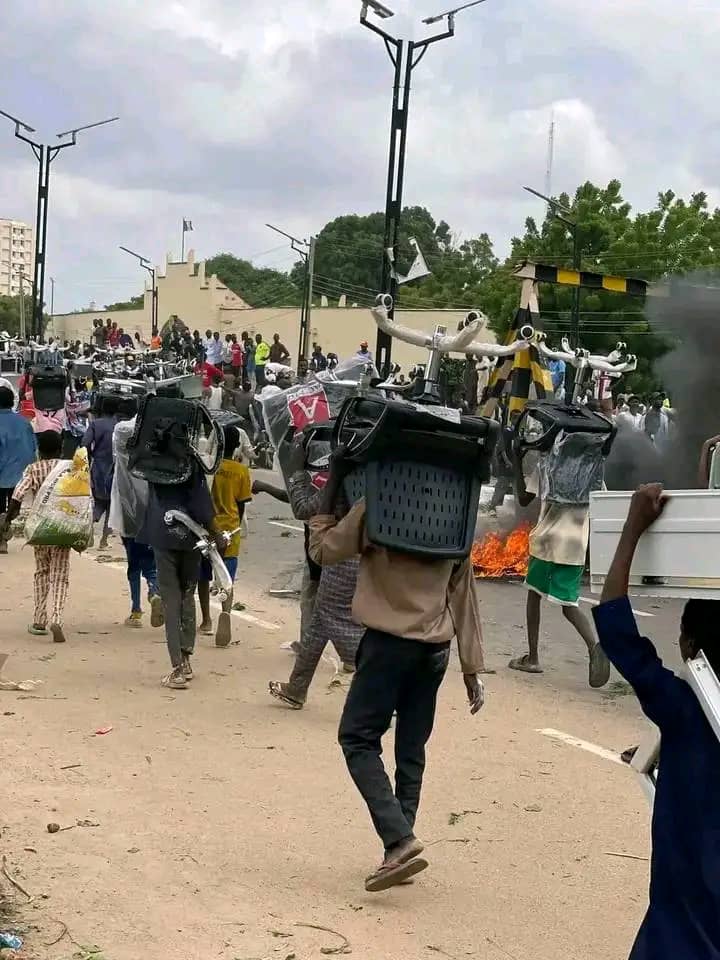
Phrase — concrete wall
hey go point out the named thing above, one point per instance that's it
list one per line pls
(335, 328)
(205, 303)
(197, 299)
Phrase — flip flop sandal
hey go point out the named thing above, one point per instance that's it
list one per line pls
(393, 874)
(276, 691)
(524, 666)
(599, 669)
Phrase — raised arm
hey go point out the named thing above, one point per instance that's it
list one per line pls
(646, 506)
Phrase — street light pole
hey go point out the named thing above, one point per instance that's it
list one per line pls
(45, 154)
(562, 214)
(306, 252)
(405, 55)
(147, 265)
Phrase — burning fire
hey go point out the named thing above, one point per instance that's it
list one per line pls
(498, 556)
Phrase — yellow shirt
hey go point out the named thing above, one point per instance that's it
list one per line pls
(232, 486)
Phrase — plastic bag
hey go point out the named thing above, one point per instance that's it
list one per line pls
(573, 468)
(308, 404)
(61, 514)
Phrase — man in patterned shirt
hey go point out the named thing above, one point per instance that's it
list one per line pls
(558, 546)
(52, 564)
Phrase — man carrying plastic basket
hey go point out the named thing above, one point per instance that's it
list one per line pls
(52, 563)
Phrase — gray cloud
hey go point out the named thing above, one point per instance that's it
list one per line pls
(279, 110)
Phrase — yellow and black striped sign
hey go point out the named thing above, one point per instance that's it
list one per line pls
(541, 273)
(525, 370)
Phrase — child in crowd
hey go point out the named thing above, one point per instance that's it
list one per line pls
(231, 490)
(52, 564)
(683, 917)
(558, 547)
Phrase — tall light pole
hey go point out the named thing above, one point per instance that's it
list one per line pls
(147, 265)
(45, 154)
(561, 213)
(307, 255)
(405, 56)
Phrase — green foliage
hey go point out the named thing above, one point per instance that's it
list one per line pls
(257, 286)
(676, 237)
(134, 303)
(10, 313)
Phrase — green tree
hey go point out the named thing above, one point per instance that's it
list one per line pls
(349, 251)
(134, 303)
(257, 286)
(10, 314)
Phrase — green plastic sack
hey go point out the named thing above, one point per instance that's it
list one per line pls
(57, 519)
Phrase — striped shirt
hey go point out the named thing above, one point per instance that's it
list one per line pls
(33, 478)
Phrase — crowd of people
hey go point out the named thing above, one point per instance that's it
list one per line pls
(390, 615)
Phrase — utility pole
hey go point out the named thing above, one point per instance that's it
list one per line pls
(52, 304)
(564, 215)
(22, 303)
(44, 154)
(306, 252)
(147, 265)
(309, 305)
(405, 55)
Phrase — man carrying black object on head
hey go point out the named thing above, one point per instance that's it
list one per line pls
(178, 565)
(411, 608)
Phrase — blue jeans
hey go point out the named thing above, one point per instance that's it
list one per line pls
(140, 562)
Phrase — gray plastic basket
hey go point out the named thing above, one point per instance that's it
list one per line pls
(417, 508)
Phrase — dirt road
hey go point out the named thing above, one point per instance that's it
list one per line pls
(213, 823)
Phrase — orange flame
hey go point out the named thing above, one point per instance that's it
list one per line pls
(498, 556)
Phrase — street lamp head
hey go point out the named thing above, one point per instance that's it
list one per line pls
(88, 126)
(555, 204)
(377, 8)
(451, 13)
(18, 123)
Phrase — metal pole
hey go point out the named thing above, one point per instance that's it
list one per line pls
(577, 262)
(154, 311)
(182, 247)
(52, 304)
(302, 343)
(22, 305)
(40, 152)
(393, 202)
(308, 308)
(570, 372)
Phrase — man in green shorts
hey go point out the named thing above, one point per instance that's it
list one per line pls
(558, 546)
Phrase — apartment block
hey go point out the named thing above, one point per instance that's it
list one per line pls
(16, 256)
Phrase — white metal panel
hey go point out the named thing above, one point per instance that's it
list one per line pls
(679, 556)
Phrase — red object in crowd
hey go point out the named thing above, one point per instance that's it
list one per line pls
(209, 372)
(236, 356)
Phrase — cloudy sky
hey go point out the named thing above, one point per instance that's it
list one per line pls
(238, 113)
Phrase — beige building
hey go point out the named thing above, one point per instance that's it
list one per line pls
(16, 257)
(206, 304)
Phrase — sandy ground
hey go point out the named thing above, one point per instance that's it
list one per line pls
(218, 823)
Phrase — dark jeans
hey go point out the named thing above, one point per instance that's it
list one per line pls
(260, 380)
(177, 578)
(393, 675)
(5, 498)
(140, 563)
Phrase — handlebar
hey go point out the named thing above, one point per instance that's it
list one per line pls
(455, 343)
(582, 359)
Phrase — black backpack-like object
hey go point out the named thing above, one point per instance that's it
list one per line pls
(420, 470)
(48, 385)
(171, 436)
